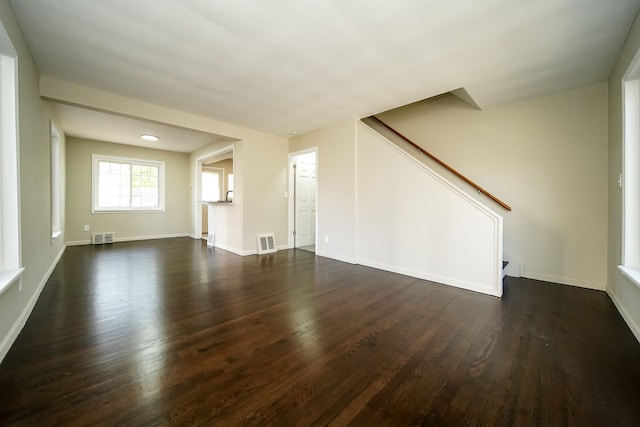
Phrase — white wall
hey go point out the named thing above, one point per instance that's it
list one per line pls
(336, 204)
(39, 252)
(412, 221)
(228, 227)
(174, 221)
(259, 205)
(625, 294)
(546, 158)
(373, 213)
(263, 187)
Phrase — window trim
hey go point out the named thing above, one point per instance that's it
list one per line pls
(630, 177)
(116, 159)
(57, 226)
(11, 269)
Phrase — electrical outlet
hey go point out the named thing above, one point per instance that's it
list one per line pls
(87, 228)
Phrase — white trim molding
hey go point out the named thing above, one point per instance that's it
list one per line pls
(13, 333)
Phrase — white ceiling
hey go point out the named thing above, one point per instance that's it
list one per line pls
(99, 126)
(284, 65)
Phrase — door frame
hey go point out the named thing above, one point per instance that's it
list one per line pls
(290, 209)
(197, 229)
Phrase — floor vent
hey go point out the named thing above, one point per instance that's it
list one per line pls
(266, 243)
(101, 238)
(211, 239)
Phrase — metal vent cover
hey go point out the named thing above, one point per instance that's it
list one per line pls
(102, 238)
(266, 243)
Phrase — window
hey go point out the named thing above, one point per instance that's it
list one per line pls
(211, 183)
(56, 191)
(630, 178)
(123, 184)
(10, 254)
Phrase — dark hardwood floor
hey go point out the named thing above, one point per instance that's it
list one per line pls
(169, 332)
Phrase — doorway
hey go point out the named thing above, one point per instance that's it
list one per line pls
(217, 160)
(303, 188)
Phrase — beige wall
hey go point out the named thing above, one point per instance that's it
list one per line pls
(265, 160)
(264, 181)
(127, 226)
(336, 204)
(259, 205)
(547, 159)
(39, 252)
(625, 294)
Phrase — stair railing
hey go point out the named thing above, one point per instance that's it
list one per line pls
(441, 163)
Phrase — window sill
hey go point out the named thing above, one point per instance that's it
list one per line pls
(633, 274)
(8, 278)
(55, 235)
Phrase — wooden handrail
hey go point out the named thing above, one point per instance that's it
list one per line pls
(441, 163)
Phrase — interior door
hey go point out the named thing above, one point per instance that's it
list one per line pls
(305, 200)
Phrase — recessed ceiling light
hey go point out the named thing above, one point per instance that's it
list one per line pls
(148, 137)
(293, 132)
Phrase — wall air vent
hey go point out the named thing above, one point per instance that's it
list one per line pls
(211, 239)
(102, 238)
(266, 243)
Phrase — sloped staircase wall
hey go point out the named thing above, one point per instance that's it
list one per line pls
(414, 221)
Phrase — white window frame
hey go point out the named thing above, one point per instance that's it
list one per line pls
(630, 178)
(230, 182)
(10, 247)
(56, 184)
(96, 158)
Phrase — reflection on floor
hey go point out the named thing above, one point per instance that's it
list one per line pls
(310, 248)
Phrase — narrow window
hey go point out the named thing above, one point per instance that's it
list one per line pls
(56, 191)
(630, 179)
(10, 253)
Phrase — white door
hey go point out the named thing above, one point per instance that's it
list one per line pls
(305, 199)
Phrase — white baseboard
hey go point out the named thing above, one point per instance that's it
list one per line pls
(230, 249)
(635, 329)
(152, 237)
(336, 257)
(10, 338)
(134, 238)
(78, 243)
(470, 286)
(246, 253)
(563, 280)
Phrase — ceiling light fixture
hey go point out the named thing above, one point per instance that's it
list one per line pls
(148, 137)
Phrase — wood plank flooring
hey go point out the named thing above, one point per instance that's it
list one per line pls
(170, 332)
